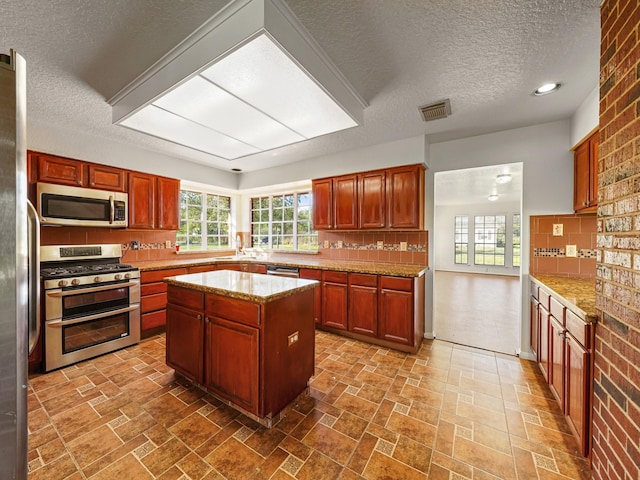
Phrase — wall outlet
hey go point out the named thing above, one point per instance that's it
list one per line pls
(339, 243)
(380, 245)
(325, 244)
(167, 244)
(135, 245)
(557, 229)
(293, 338)
(403, 246)
(571, 251)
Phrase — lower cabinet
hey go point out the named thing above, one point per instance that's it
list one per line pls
(334, 299)
(396, 310)
(153, 299)
(312, 274)
(363, 304)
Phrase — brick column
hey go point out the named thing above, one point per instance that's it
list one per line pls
(616, 409)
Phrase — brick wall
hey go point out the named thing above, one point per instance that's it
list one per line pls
(616, 453)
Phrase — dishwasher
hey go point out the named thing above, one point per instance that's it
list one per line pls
(283, 271)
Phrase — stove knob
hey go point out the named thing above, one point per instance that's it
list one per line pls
(127, 275)
(62, 283)
(75, 281)
(97, 279)
(117, 276)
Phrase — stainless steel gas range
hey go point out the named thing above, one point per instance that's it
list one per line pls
(91, 302)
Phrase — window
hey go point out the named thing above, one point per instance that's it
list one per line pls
(489, 239)
(205, 220)
(516, 240)
(461, 239)
(283, 222)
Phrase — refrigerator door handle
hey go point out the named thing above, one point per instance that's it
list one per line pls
(34, 276)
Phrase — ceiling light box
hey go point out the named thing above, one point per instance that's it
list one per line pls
(250, 79)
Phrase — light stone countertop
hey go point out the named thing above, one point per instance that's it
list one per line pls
(244, 286)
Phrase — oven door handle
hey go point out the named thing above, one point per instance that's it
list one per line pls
(97, 316)
(60, 293)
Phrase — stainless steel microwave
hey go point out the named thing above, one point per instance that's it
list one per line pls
(86, 207)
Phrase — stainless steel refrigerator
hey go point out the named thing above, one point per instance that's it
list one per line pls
(19, 277)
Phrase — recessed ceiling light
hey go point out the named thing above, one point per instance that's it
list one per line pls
(503, 178)
(547, 88)
(493, 198)
(250, 79)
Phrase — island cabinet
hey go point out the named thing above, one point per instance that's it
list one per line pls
(391, 198)
(153, 300)
(153, 202)
(585, 175)
(254, 351)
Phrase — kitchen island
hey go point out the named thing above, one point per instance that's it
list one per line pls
(246, 338)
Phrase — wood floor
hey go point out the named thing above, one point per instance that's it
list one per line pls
(448, 412)
(481, 311)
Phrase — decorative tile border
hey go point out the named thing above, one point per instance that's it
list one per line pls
(389, 247)
(559, 252)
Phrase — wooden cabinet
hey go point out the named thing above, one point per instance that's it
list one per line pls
(185, 331)
(534, 321)
(60, 170)
(372, 196)
(153, 202)
(565, 355)
(405, 187)
(585, 175)
(392, 198)
(107, 178)
(396, 310)
(312, 274)
(334, 299)
(363, 304)
(153, 300)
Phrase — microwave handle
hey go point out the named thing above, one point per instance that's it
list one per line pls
(111, 209)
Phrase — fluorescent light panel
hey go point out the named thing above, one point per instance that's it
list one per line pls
(255, 97)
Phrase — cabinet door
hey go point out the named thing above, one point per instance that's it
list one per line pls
(185, 330)
(543, 332)
(577, 391)
(556, 360)
(334, 305)
(405, 197)
(313, 274)
(345, 198)
(63, 171)
(107, 178)
(231, 356)
(322, 204)
(372, 199)
(396, 316)
(533, 326)
(363, 310)
(168, 203)
(142, 193)
(581, 181)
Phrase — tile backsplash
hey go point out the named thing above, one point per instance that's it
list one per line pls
(548, 251)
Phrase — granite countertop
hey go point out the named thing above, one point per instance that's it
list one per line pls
(245, 286)
(579, 294)
(301, 261)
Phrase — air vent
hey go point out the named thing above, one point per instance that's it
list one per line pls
(436, 111)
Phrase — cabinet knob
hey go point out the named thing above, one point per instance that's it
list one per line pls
(199, 317)
(206, 319)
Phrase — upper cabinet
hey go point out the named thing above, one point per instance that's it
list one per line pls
(392, 198)
(153, 202)
(585, 175)
(59, 170)
(107, 178)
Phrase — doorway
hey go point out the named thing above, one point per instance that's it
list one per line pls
(476, 280)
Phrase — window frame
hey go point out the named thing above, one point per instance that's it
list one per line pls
(489, 227)
(204, 234)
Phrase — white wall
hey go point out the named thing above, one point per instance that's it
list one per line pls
(586, 118)
(53, 139)
(547, 183)
(444, 252)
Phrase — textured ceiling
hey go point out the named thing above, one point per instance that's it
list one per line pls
(487, 56)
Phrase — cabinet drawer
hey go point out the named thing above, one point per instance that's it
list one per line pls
(396, 283)
(544, 298)
(186, 297)
(311, 273)
(233, 309)
(158, 275)
(336, 277)
(202, 269)
(153, 302)
(579, 329)
(534, 290)
(153, 319)
(363, 279)
(557, 310)
(152, 288)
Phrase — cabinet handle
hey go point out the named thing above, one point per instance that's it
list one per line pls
(206, 320)
(586, 204)
(199, 317)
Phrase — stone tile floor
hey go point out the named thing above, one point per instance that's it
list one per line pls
(449, 412)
